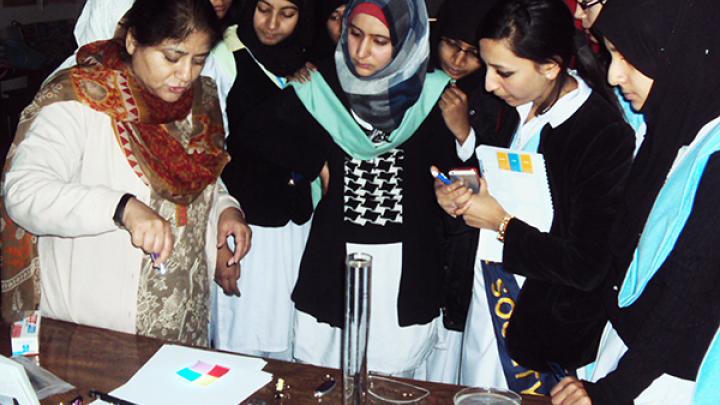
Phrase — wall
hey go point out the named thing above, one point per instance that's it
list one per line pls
(71, 9)
(36, 13)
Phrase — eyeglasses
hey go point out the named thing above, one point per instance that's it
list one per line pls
(586, 4)
(456, 48)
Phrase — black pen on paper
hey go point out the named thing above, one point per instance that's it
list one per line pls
(109, 398)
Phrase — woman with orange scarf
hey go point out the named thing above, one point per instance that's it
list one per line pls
(113, 214)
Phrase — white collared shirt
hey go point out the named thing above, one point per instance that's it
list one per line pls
(563, 109)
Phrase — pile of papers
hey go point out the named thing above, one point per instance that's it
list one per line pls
(183, 375)
(14, 383)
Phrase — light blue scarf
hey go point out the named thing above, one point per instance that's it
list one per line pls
(668, 217)
(665, 223)
(706, 390)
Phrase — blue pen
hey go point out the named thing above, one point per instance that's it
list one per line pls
(160, 268)
(440, 175)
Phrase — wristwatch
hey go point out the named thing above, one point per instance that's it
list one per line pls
(502, 228)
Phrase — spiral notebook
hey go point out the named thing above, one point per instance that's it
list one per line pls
(518, 180)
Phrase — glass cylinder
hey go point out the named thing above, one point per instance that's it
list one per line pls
(355, 333)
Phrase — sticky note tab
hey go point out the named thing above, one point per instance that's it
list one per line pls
(188, 374)
(205, 380)
(218, 371)
(503, 161)
(515, 162)
(526, 162)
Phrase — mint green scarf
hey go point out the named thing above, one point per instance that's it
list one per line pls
(322, 103)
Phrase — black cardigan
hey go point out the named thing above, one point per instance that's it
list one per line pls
(559, 315)
(264, 190)
(461, 240)
(670, 326)
(287, 134)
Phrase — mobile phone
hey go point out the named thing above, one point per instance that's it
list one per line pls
(469, 176)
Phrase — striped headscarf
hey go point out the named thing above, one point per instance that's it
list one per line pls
(382, 98)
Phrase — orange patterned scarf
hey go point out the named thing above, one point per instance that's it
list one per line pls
(146, 128)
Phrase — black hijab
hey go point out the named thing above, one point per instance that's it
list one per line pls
(323, 47)
(460, 20)
(289, 55)
(676, 44)
(326, 7)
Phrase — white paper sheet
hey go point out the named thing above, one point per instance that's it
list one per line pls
(14, 383)
(158, 382)
(518, 181)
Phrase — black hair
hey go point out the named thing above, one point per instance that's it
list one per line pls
(233, 14)
(543, 31)
(154, 21)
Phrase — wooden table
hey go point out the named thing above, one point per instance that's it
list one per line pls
(98, 358)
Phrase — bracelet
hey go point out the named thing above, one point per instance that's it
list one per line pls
(120, 210)
(502, 228)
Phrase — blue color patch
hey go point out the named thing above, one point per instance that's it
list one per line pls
(188, 374)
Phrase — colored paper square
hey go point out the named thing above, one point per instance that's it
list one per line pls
(205, 380)
(503, 161)
(526, 162)
(188, 374)
(514, 162)
(218, 371)
(201, 367)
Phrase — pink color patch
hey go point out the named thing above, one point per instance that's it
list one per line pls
(201, 367)
(218, 371)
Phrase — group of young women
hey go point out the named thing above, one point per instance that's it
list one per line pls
(122, 198)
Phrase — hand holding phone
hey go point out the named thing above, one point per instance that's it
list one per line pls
(469, 176)
(447, 196)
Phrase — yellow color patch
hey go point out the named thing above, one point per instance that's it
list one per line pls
(205, 380)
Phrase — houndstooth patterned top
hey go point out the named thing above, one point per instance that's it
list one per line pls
(373, 189)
